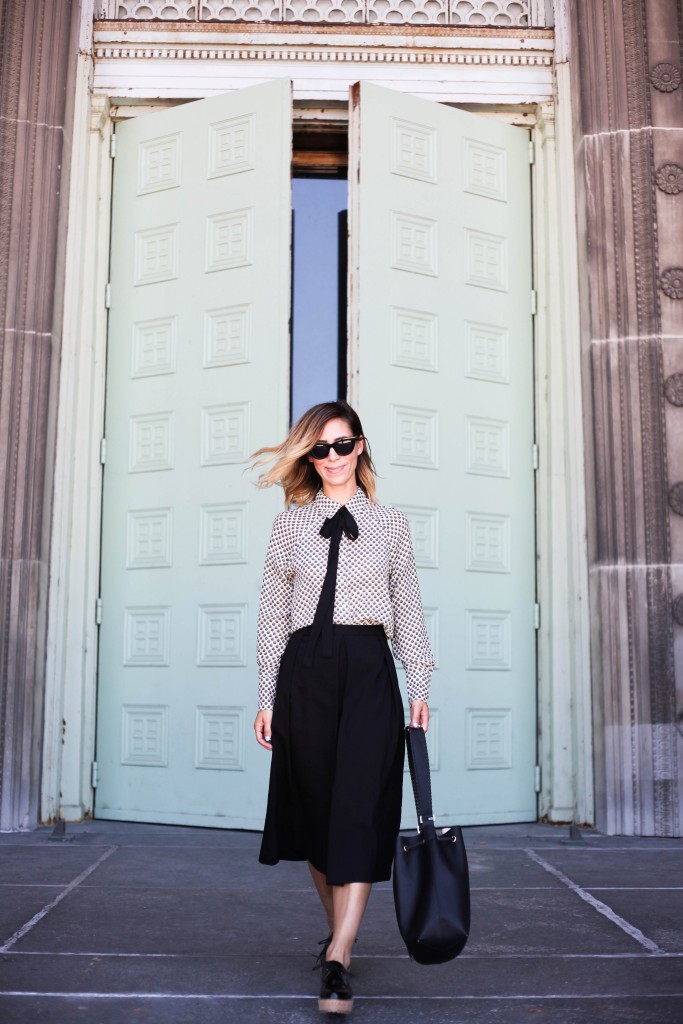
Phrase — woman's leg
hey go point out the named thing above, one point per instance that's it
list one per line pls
(349, 902)
(345, 904)
(324, 892)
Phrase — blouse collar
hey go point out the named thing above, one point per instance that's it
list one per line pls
(357, 504)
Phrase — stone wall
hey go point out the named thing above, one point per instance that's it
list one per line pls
(36, 44)
(628, 78)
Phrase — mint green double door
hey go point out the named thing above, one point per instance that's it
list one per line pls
(440, 368)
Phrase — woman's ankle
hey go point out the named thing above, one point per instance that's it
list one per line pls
(342, 955)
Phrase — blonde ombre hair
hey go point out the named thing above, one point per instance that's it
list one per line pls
(293, 470)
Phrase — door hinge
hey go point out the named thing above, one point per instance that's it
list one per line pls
(107, 296)
(534, 456)
(112, 145)
(532, 152)
(103, 451)
(537, 778)
(537, 616)
(94, 775)
(534, 302)
(98, 611)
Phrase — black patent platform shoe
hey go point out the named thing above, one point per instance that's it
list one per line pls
(335, 992)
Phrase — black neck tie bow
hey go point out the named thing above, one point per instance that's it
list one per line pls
(333, 527)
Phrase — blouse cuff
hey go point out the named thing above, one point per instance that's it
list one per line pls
(418, 677)
(267, 683)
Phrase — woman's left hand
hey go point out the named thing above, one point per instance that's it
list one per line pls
(263, 727)
(419, 714)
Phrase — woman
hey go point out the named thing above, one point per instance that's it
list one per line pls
(339, 580)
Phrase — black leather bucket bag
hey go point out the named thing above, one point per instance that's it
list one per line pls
(431, 880)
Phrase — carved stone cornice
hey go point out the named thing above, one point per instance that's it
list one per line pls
(357, 44)
(509, 66)
(291, 30)
(327, 54)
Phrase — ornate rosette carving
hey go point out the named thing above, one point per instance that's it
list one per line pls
(669, 178)
(677, 609)
(676, 498)
(671, 282)
(666, 77)
(673, 389)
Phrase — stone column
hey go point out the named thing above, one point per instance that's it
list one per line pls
(630, 148)
(36, 53)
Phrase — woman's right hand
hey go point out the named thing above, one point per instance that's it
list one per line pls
(263, 729)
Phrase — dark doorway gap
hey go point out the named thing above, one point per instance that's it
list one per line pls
(319, 271)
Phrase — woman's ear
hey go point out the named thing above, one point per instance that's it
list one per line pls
(361, 447)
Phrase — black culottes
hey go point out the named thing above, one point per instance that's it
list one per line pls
(336, 777)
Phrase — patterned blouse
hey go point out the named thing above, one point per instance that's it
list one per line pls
(376, 585)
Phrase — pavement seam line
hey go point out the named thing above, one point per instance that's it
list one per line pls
(602, 908)
(492, 957)
(237, 996)
(26, 928)
(104, 954)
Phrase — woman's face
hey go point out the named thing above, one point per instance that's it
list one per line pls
(337, 472)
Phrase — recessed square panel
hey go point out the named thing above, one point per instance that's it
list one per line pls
(489, 640)
(229, 240)
(147, 636)
(223, 534)
(487, 542)
(485, 170)
(414, 339)
(415, 437)
(231, 146)
(144, 735)
(486, 260)
(153, 350)
(227, 335)
(159, 164)
(151, 442)
(156, 255)
(487, 446)
(413, 244)
(219, 739)
(488, 353)
(225, 434)
(424, 532)
(488, 738)
(149, 538)
(221, 635)
(413, 150)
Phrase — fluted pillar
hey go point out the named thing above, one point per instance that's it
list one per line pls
(35, 56)
(628, 75)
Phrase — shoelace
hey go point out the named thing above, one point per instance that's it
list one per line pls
(320, 958)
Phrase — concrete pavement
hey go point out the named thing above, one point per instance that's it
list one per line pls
(118, 922)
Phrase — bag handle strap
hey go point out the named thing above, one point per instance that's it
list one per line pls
(418, 762)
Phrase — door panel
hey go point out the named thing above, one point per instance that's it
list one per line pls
(197, 378)
(441, 369)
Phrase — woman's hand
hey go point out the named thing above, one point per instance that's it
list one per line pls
(419, 714)
(263, 729)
